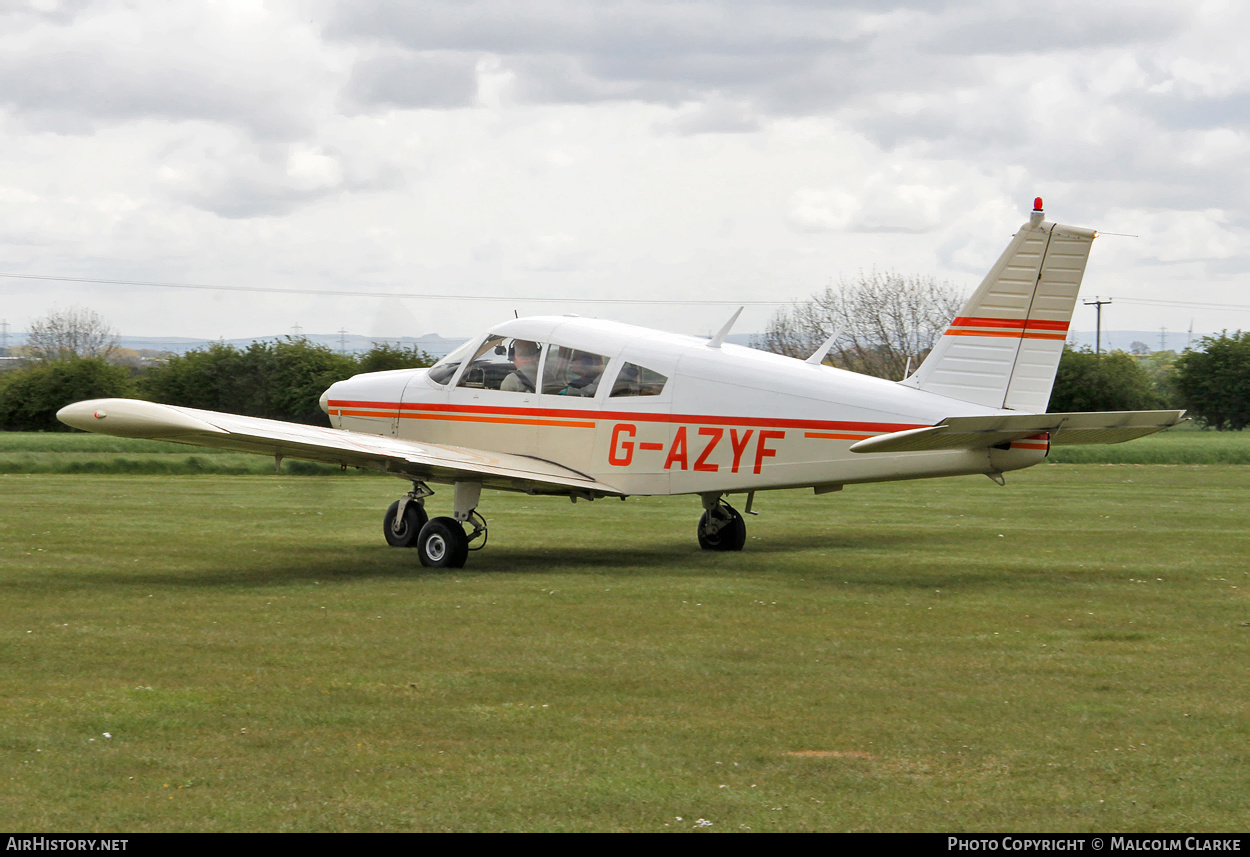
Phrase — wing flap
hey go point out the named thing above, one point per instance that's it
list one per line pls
(984, 432)
(427, 461)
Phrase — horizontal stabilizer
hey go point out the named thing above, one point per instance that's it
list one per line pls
(984, 432)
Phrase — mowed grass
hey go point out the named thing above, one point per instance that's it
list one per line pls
(1184, 444)
(84, 453)
(1066, 653)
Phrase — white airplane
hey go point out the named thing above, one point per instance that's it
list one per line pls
(589, 409)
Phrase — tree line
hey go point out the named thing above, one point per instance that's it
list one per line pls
(276, 379)
(887, 323)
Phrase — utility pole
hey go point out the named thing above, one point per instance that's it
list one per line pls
(1163, 338)
(1097, 304)
(4, 336)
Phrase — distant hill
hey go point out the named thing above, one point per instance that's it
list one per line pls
(1122, 340)
(436, 345)
(432, 343)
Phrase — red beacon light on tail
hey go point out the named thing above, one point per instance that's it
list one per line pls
(1036, 217)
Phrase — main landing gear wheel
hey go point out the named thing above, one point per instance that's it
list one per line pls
(404, 533)
(443, 544)
(722, 529)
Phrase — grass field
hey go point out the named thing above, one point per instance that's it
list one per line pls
(1068, 653)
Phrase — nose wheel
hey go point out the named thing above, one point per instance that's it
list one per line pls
(401, 527)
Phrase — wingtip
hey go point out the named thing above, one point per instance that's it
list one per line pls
(131, 418)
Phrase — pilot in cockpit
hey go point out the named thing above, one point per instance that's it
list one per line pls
(525, 356)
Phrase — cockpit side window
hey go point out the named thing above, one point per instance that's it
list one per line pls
(503, 363)
(569, 372)
(635, 380)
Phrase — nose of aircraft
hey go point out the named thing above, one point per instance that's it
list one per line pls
(334, 391)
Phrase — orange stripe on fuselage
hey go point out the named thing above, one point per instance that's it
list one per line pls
(390, 414)
(505, 420)
(555, 416)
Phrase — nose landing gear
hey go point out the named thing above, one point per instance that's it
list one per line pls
(406, 516)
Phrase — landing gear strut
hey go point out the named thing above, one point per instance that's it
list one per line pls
(721, 528)
(440, 542)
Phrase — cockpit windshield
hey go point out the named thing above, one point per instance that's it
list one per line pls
(442, 371)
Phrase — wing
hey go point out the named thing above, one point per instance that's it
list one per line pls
(983, 432)
(430, 462)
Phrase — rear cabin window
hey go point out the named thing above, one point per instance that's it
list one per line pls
(635, 380)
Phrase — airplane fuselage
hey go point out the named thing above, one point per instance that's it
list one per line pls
(725, 419)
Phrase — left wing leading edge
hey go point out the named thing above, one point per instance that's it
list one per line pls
(425, 461)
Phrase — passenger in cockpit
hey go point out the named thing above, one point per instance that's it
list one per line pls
(584, 374)
(525, 356)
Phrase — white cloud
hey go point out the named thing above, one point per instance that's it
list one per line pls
(654, 149)
(812, 210)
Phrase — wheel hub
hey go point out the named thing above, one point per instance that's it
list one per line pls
(436, 547)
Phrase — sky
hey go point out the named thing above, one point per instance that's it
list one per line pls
(407, 168)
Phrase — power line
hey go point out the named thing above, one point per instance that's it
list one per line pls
(1192, 304)
(1211, 305)
(410, 295)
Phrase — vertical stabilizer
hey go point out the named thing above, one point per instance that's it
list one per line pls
(1003, 349)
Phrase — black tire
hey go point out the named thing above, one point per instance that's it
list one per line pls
(443, 544)
(731, 537)
(414, 519)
